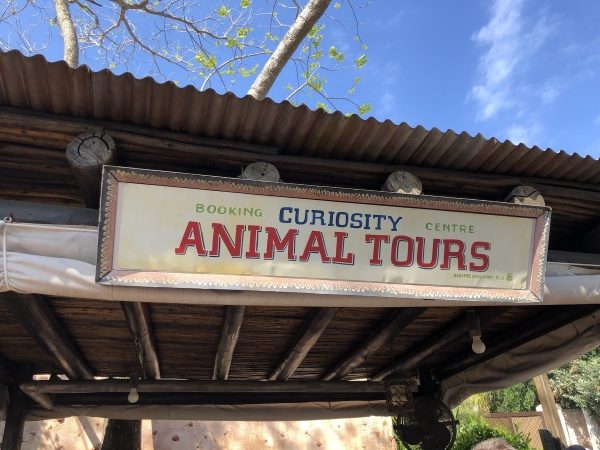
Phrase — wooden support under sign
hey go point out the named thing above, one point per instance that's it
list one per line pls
(86, 155)
(230, 333)
(391, 326)
(308, 336)
(37, 318)
(437, 341)
(137, 315)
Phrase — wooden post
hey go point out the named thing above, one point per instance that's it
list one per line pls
(122, 435)
(87, 153)
(551, 415)
(15, 419)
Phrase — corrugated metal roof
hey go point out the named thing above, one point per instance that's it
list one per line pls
(34, 83)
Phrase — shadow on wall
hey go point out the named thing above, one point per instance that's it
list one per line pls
(363, 433)
(85, 433)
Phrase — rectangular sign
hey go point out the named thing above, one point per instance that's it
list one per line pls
(168, 229)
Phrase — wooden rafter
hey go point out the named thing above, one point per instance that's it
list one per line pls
(38, 319)
(137, 315)
(308, 336)
(546, 322)
(230, 332)
(437, 341)
(387, 330)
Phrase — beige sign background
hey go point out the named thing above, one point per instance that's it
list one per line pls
(260, 238)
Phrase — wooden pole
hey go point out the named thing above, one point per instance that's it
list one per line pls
(208, 387)
(551, 414)
(137, 315)
(230, 333)
(122, 435)
(308, 336)
(15, 419)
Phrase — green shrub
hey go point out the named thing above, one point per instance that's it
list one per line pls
(473, 429)
(518, 398)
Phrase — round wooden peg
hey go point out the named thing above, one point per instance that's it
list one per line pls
(525, 195)
(403, 183)
(261, 171)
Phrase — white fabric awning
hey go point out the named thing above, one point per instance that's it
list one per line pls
(61, 261)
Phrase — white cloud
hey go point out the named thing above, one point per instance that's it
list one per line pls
(509, 41)
(387, 103)
(526, 134)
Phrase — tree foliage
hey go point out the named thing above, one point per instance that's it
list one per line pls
(212, 44)
(517, 398)
(577, 384)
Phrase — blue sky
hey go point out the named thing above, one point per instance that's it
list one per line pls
(525, 70)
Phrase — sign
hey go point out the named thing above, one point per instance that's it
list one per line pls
(188, 231)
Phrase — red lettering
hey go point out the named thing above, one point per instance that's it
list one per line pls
(421, 253)
(253, 244)
(459, 254)
(485, 259)
(376, 239)
(192, 237)
(339, 257)
(410, 257)
(275, 243)
(220, 234)
(315, 244)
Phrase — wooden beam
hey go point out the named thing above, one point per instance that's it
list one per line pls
(230, 332)
(15, 419)
(590, 241)
(38, 319)
(331, 171)
(47, 213)
(138, 319)
(86, 154)
(551, 319)
(574, 258)
(308, 336)
(437, 341)
(385, 332)
(59, 387)
(221, 398)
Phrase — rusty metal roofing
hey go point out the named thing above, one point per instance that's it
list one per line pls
(34, 83)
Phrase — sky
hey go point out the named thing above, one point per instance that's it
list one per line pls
(524, 70)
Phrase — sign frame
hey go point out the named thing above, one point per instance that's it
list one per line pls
(107, 274)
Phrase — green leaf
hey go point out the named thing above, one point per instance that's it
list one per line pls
(334, 53)
(223, 11)
(360, 61)
(364, 108)
(337, 5)
(245, 3)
